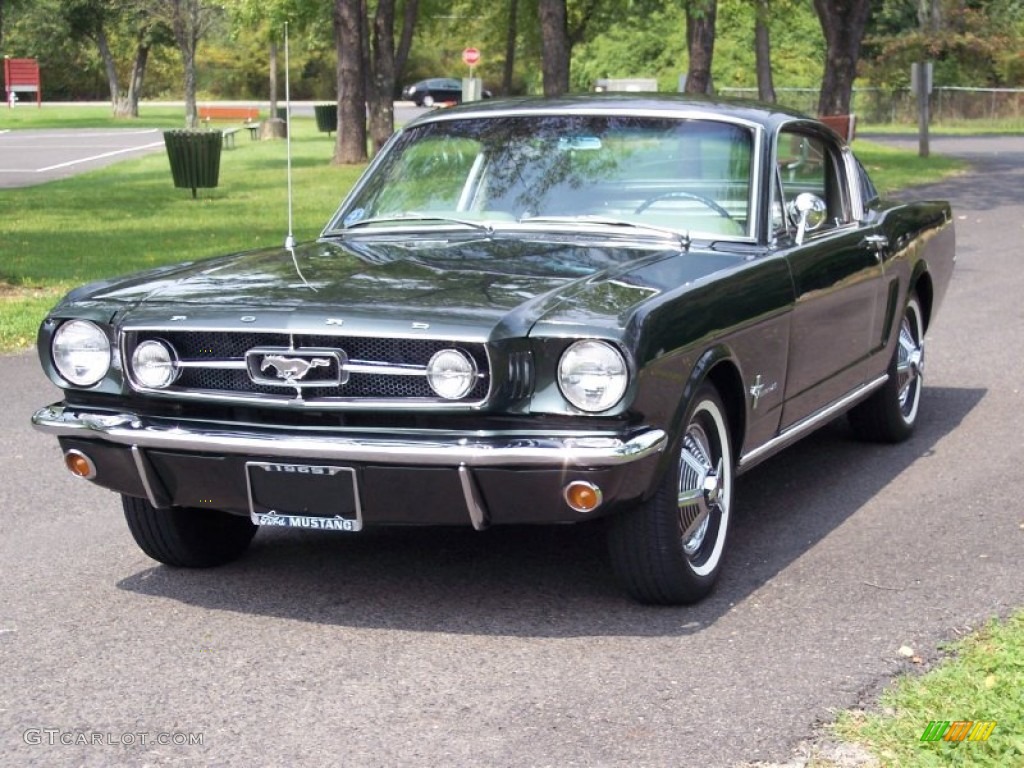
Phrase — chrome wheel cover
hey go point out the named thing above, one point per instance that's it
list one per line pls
(910, 362)
(705, 471)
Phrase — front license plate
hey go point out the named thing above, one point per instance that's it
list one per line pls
(303, 496)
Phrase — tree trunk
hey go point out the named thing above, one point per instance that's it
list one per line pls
(700, 44)
(382, 73)
(555, 47)
(405, 41)
(843, 23)
(273, 78)
(511, 33)
(350, 146)
(763, 53)
(108, 65)
(138, 74)
(188, 58)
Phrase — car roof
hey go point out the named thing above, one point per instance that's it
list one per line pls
(667, 104)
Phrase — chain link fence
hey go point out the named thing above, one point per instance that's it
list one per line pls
(899, 105)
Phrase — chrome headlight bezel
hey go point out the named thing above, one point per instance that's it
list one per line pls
(154, 355)
(593, 375)
(81, 352)
(452, 374)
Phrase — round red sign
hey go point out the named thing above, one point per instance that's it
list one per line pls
(471, 57)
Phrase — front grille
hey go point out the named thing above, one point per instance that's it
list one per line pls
(214, 365)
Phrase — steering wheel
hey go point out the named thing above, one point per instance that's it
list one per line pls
(706, 201)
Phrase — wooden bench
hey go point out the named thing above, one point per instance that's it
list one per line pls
(248, 116)
(844, 125)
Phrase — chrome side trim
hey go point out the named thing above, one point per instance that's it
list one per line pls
(474, 503)
(440, 449)
(809, 424)
(149, 481)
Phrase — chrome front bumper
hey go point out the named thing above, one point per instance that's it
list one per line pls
(590, 450)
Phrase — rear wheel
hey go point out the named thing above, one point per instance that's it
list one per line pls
(187, 537)
(889, 415)
(669, 550)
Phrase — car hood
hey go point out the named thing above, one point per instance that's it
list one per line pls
(497, 286)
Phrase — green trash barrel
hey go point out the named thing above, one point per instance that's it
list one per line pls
(194, 157)
(326, 117)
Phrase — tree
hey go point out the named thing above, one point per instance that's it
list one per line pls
(555, 47)
(350, 146)
(94, 20)
(385, 66)
(763, 52)
(189, 21)
(843, 23)
(700, 43)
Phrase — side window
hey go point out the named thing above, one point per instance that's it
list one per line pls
(807, 162)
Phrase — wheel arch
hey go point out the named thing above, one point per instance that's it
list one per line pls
(925, 290)
(718, 367)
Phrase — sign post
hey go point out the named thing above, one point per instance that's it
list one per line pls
(472, 87)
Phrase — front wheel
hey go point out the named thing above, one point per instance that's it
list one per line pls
(889, 415)
(186, 537)
(669, 550)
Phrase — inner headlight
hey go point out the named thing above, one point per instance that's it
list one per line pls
(154, 364)
(592, 375)
(451, 374)
(81, 352)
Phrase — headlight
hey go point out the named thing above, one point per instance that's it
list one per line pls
(592, 375)
(154, 364)
(81, 352)
(451, 374)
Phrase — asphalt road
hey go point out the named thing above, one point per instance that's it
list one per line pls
(514, 647)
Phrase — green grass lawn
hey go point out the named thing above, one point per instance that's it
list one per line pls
(62, 116)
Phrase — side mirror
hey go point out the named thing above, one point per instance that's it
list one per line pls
(810, 214)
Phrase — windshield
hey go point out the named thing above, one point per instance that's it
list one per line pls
(686, 175)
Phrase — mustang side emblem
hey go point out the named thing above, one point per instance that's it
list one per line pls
(293, 368)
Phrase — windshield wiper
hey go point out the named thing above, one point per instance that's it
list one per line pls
(413, 216)
(680, 236)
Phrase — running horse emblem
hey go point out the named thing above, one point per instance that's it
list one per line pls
(293, 368)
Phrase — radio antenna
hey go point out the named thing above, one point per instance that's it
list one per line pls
(289, 241)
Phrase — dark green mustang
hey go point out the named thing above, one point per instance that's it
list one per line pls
(539, 311)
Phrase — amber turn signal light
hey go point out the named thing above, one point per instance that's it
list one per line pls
(79, 465)
(583, 496)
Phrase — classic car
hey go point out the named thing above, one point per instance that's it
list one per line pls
(524, 312)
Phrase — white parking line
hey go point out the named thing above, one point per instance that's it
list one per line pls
(99, 157)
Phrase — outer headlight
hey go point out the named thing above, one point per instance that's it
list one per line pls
(81, 352)
(451, 374)
(154, 364)
(592, 375)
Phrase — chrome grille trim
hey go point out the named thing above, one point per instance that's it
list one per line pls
(384, 372)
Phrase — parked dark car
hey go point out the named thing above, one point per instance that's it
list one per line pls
(436, 91)
(535, 311)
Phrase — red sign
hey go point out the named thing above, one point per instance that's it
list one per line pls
(471, 57)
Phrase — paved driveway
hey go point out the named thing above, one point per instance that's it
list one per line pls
(514, 647)
(29, 157)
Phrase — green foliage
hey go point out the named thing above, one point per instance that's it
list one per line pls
(654, 45)
(973, 44)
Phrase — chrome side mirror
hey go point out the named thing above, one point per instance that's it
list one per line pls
(810, 213)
